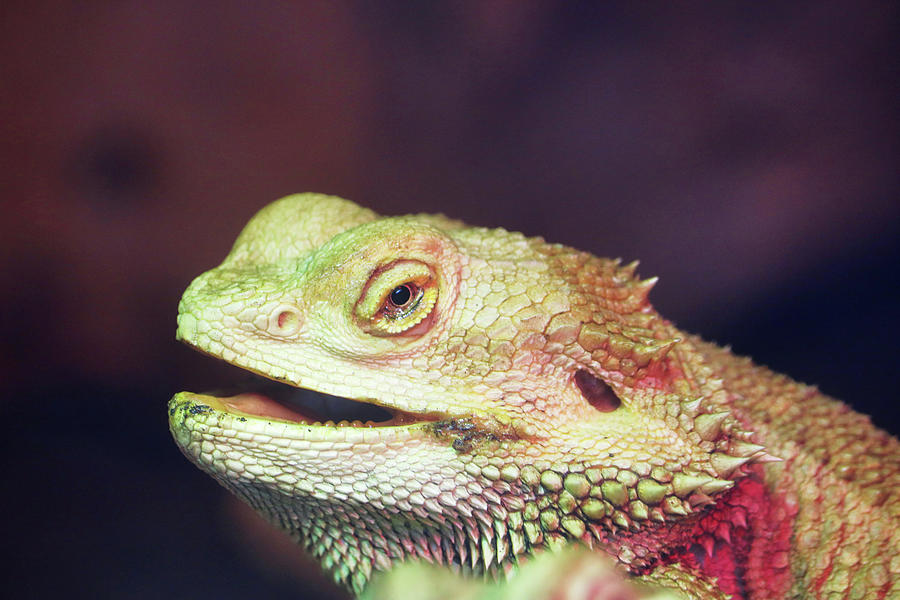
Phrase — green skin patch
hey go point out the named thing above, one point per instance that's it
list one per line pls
(491, 397)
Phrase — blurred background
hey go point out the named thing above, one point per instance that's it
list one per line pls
(746, 152)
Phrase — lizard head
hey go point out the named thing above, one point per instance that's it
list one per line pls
(506, 394)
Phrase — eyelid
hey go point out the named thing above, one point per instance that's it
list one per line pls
(374, 311)
(385, 279)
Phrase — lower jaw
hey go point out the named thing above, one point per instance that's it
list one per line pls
(197, 418)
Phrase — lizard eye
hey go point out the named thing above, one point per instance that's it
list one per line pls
(402, 301)
(397, 297)
(402, 295)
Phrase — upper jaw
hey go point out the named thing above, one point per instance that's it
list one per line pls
(274, 401)
(275, 397)
(272, 397)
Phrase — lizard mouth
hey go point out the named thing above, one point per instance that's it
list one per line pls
(272, 400)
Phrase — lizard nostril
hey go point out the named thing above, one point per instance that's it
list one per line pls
(285, 321)
(595, 391)
(285, 318)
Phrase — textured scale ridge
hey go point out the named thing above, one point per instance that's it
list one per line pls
(530, 401)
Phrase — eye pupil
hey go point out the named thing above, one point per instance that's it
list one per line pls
(401, 295)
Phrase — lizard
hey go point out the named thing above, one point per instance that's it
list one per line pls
(528, 398)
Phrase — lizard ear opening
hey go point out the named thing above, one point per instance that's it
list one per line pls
(596, 392)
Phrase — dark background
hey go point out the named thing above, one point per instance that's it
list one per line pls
(746, 152)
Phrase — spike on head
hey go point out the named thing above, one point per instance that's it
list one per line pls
(708, 426)
(630, 268)
(725, 465)
(641, 289)
(653, 351)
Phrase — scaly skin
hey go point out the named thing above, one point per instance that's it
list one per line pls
(537, 399)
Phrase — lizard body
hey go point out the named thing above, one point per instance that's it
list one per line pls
(534, 398)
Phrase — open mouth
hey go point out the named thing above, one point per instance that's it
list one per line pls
(263, 398)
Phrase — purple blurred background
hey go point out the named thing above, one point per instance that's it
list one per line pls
(746, 152)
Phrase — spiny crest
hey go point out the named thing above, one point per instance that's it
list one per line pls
(709, 424)
(612, 321)
(619, 347)
(614, 287)
(656, 363)
(615, 323)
